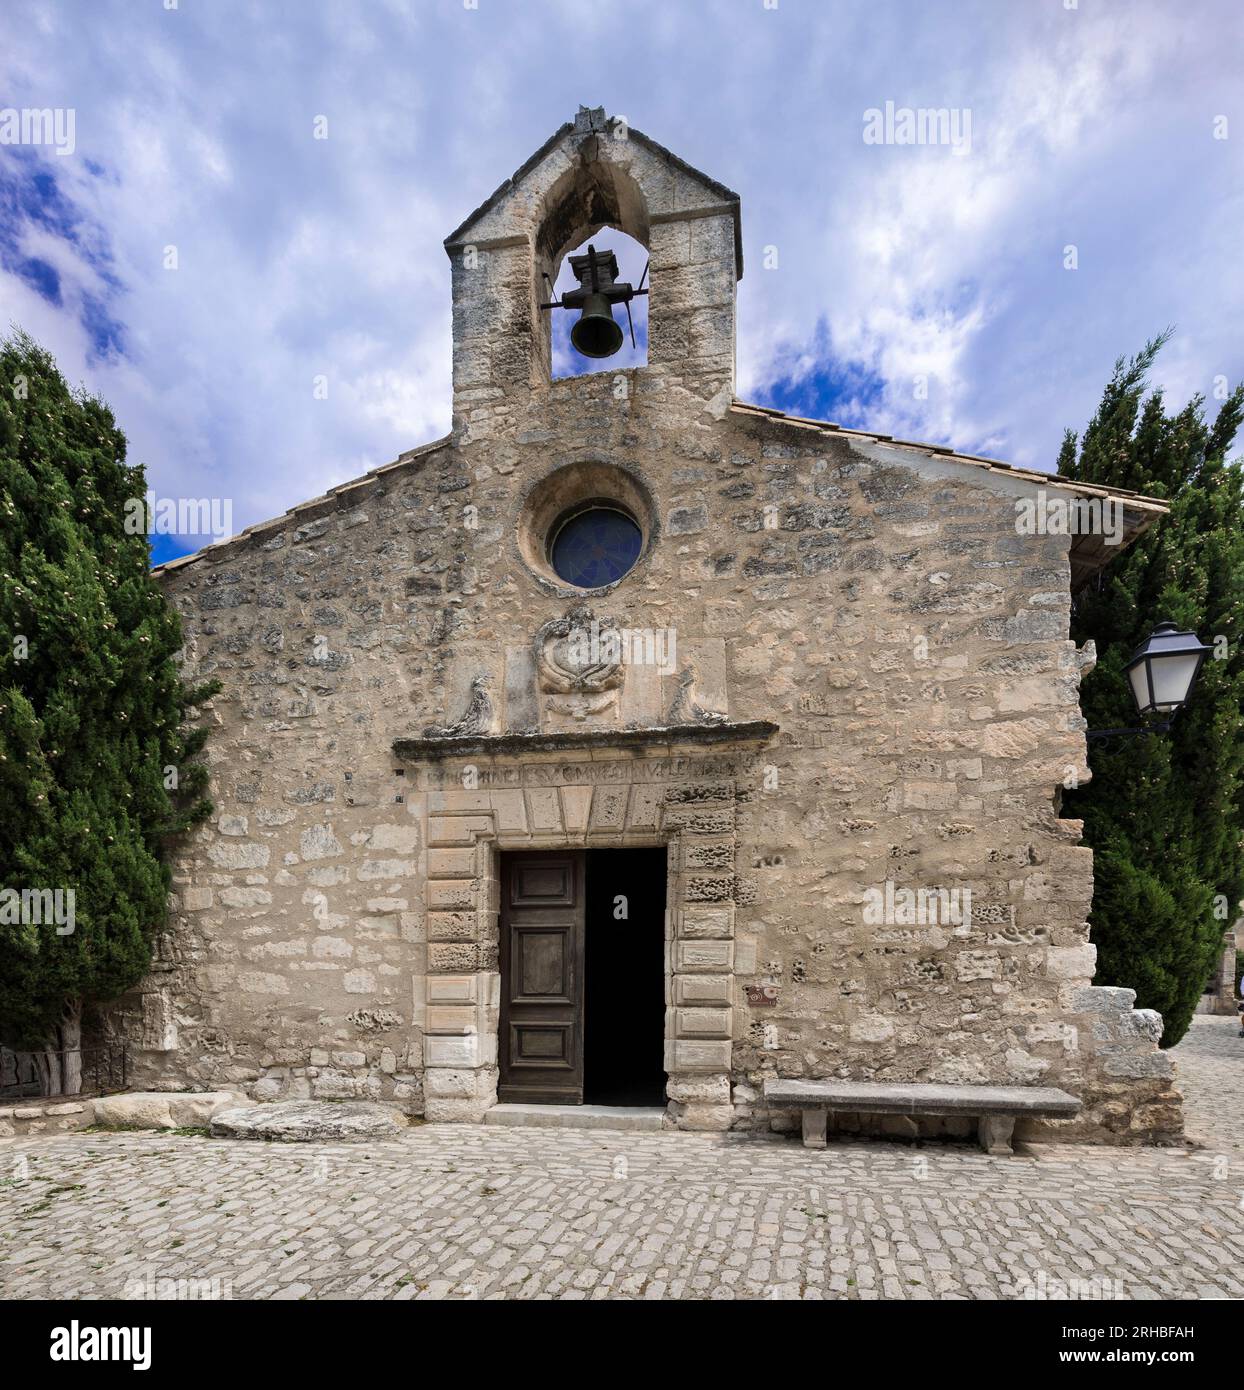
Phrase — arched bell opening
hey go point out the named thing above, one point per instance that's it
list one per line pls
(598, 336)
(592, 246)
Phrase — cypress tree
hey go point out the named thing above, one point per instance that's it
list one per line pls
(98, 764)
(1164, 813)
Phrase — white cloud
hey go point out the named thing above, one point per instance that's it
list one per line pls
(300, 257)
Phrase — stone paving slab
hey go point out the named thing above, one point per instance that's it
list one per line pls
(455, 1211)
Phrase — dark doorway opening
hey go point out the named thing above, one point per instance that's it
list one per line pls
(582, 977)
(624, 993)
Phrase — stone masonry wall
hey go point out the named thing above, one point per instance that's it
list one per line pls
(873, 599)
(876, 602)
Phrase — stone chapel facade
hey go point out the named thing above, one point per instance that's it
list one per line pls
(873, 691)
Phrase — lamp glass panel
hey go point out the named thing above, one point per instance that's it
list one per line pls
(1140, 685)
(1172, 679)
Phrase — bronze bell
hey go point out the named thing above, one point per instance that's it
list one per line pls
(596, 333)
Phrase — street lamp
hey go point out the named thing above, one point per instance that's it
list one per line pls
(1161, 673)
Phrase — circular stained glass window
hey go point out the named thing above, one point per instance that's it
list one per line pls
(595, 547)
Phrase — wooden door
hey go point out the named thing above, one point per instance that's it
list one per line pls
(542, 952)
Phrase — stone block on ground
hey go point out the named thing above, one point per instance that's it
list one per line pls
(164, 1109)
(300, 1122)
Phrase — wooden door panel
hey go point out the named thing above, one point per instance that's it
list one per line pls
(542, 956)
(542, 1045)
(542, 885)
(542, 965)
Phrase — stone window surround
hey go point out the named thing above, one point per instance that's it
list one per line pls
(684, 800)
(589, 475)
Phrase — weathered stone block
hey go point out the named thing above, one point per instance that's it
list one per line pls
(451, 989)
(452, 926)
(318, 842)
(239, 856)
(706, 1090)
(693, 991)
(1127, 1062)
(703, 957)
(704, 1117)
(450, 863)
(451, 895)
(461, 1019)
(473, 1050)
(685, 1056)
(697, 922)
(702, 1023)
(1071, 962)
(452, 958)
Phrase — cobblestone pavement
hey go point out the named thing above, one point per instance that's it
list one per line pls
(468, 1212)
(1211, 1076)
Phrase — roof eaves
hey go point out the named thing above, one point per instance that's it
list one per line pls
(279, 523)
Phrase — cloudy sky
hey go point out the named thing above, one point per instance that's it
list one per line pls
(1094, 125)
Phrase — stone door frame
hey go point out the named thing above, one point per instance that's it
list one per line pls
(686, 804)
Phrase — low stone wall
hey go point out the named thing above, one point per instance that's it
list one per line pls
(125, 1110)
(1113, 1063)
(1126, 1081)
(36, 1116)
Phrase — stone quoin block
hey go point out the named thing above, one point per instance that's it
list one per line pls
(453, 926)
(451, 894)
(700, 922)
(702, 1023)
(456, 830)
(451, 1018)
(704, 957)
(708, 991)
(689, 1056)
(452, 989)
(473, 1050)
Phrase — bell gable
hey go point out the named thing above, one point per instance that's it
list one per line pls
(594, 173)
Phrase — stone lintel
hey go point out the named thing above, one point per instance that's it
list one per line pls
(660, 739)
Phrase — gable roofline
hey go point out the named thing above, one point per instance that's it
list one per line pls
(302, 511)
(728, 196)
(1036, 475)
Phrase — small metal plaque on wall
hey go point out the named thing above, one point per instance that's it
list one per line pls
(762, 996)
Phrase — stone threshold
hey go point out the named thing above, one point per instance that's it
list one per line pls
(755, 731)
(624, 1117)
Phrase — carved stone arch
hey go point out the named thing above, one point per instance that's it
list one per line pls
(593, 193)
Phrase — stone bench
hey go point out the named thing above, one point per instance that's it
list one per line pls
(996, 1108)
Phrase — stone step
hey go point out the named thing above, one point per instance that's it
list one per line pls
(625, 1117)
